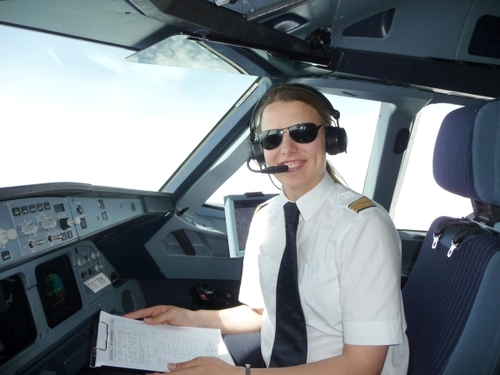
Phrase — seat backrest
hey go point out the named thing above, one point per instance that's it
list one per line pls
(452, 297)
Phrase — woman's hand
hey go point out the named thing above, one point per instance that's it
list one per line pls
(165, 314)
(205, 366)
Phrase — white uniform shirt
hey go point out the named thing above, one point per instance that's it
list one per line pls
(349, 274)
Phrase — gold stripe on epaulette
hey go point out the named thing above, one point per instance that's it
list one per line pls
(257, 209)
(361, 204)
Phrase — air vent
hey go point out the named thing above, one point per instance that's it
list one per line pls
(286, 22)
(377, 26)
(485, 39)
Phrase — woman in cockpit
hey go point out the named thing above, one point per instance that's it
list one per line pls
(321, 274)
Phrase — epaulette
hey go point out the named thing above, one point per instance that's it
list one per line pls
(361, 204)
(262, 205)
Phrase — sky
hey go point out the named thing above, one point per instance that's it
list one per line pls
(78, 111)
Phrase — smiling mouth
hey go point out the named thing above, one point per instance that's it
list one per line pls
(293, 164)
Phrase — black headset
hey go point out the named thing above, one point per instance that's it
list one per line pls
(335, 136)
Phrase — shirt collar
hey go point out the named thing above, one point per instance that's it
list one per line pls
(309, 202)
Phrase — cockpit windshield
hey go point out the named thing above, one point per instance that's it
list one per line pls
(79, 111)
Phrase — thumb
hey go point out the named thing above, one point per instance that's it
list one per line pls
(174, 366)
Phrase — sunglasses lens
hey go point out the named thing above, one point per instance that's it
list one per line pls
(300, 133)
(304, 133)
(271, 139)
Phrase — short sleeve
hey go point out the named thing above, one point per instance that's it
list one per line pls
(370, 277)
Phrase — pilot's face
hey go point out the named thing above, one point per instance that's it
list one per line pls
(306, 161)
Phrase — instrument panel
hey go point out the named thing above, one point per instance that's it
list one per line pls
(54, 278)
(32, 226)
(51, 300)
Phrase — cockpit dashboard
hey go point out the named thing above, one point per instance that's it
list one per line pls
(54, 279)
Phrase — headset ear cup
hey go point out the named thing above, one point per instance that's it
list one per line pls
(258, 153)
(335, 140)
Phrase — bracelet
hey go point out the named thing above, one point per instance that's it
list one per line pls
(247, 369)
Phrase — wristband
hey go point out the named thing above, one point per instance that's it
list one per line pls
(247, 369)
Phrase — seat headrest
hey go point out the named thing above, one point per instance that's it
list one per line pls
(467, 152)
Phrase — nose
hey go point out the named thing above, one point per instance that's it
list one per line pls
(288, 145)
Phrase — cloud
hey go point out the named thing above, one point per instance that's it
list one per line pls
(179, 51)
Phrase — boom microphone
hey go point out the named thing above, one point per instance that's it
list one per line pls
(268, 170)
(273, 170)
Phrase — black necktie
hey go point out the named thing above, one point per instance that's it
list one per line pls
(290, 342)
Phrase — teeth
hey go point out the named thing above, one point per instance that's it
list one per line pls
(292, 165)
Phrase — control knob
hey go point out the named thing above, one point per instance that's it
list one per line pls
(98, 267)
(7, 235)
(48, 223)
(82, 261)
(67, 222)
(28, 228)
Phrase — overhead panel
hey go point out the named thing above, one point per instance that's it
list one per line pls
(219, 24)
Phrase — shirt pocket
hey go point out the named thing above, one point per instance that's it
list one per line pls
(320, 295)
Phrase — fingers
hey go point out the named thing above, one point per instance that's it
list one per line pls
(179, 366)
(202, 366)
(162, 314)
(139, 314)
(185, 365)
(149, 312)
(152, 315)
(173, 366)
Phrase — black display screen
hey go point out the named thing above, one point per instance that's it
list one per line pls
(58, 291)
(17, 327)
(59, 208)
(485, 39)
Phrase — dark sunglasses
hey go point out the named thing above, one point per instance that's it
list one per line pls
(300, 133)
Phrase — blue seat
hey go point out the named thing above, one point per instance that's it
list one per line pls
(452, 296)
